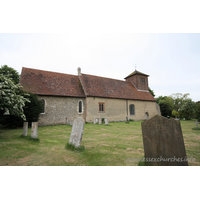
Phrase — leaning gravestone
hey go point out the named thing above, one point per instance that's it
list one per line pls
(77, 132)
(34, 130)
(163, 142)
(25, 128)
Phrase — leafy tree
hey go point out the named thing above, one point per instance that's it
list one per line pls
(32, 110)
(197, 111)
(175, 113)
(179, 99)
(166, 105)
(187, 109)
(11, 103)
(11, 73)
(152, 92)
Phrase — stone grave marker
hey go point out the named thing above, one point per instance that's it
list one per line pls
(163, 142)
(96, 120)
(100, 122)
(106, 121)
(197, 123)
(25, 128)
(34, 130)
(127, 119)
(77, 132)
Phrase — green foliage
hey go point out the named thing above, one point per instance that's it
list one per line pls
(179, 99)
(197, 111)
(152, 92)
(11, 102)
(11, 73)
(166, 105)
(71, 147)
(102, 120)
(175, 113)
(187, 109)
(32, 110)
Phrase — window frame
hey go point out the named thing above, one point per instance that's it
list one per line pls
(142, 80)
(79, 107)
(131, 105)
(44, 106)
(100, 108)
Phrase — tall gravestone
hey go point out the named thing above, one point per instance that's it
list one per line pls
(106, 121)
(100, 122)
(163, 142)
(25, 128)
(77, 132)
(34, 130)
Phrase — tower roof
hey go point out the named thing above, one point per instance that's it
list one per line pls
(134, 73)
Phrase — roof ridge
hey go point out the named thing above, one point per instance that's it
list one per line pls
(47, 71)
(105, 77)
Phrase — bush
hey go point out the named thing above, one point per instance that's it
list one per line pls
(32, 112)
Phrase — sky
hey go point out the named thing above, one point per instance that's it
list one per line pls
(172, 60)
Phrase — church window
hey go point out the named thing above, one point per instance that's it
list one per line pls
(43, 106)
(142, 80)
(80, 107)
(132, 109)
(101, 107)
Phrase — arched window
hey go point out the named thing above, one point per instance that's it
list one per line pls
(132, 109)
(80, 109)
(43, 106)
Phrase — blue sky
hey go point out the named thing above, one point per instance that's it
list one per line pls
(171, 59)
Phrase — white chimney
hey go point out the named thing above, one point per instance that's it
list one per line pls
(79, 71)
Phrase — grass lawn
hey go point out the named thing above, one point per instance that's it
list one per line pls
(113, 145)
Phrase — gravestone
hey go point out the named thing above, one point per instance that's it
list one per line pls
(106, 121)
(163, 142)
(34, 130)
(96, 120)
(127, 120)
(197, 123)
(100, 122)
(25, 128)
(77, 132)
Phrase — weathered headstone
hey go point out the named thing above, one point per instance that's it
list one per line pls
(34, 130)
(77, 132)
(127, 119)
(96, 120)
(100, 122)
(163, 142)
(106, 121)
(197, 123)
(25, 128)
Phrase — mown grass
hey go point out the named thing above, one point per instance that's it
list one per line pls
(112, 145)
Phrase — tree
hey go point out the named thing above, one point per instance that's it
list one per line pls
(11, 103)
(166, 105)
(179, 99)
(152, 92)
(11, 73)
(197, 111)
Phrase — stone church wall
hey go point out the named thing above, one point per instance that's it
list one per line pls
(60, 110)
(118, 109)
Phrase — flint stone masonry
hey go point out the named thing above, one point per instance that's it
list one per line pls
(162, 138)
(34, 130)
(25, 128)
(77, 132)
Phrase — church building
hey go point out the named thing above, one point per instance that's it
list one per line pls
(66, 97)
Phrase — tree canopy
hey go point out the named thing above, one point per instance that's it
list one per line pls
(11, 73)
(11, 103)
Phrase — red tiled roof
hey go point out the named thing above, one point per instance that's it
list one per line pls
(111, 88)
(50, 83)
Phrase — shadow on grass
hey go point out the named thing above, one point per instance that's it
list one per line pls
(71, 147)
(197, 129)
(29, 138)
